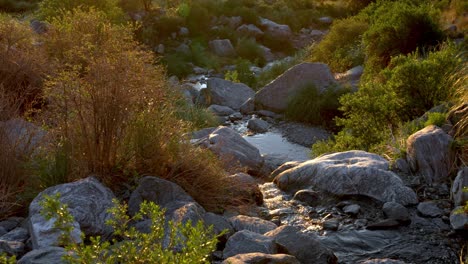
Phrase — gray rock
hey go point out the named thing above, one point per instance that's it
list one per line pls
(332, 224)
(396, 211)
(183, 48)
(352, 209)
(47, 255)
(429, 209)
(361, 245)
(226, 93)
(250, 31)
(278, 31)
(232, 149)
(246, 188)
(305, 247)
(317, 34)
(17, 234)
(88, 202)
(164, 193)
(382, 261)
(275, 95)
(261, 258)
(253, 224)
(352, 76)
(326, 20)
(267, 53)
(221, 110)
(23, 135)
(384, 224)
(247, 107)
(348, 173)
(459, 219)
(402, 165)
(246, 241)
(258, 125)
(461, 181)
(11, 223)
(222, 47)
(203, 133)
(39, 27)
(235, 117)
(183, 31)
(218, 222)
(273, 162)
(2, 231)
(309, 197)
(190, 211)
(161, 49)
(303, 134)
(430, 154)
(266, 113)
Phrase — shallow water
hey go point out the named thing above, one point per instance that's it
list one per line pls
(275, 143)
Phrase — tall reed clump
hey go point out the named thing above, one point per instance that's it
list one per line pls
(111, 106)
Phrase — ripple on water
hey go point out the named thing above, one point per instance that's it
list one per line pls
(274, 143)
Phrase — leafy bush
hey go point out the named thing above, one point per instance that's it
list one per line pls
(410, 86)
(398, 28)
(23, 65)
(49, 9)
(194, 242)
(244, 73)
(314, 107)
(437, 119)
(341, 48)
(156, 28)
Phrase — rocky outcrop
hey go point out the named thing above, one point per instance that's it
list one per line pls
(347, 173)
(459, 219)
(88, 201)
(275, 95)
(261, 258)
(225, 93)
(222, 47)
(220, 110)
(306, 248)
(232, 149)
(430, 154)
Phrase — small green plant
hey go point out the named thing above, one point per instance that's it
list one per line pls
(49, 9)
(315, 107)
(232, 76)
(4, 259)
(437, 119)
(187, 243)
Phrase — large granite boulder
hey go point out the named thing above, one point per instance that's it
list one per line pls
(261, 258)
(305, 247)
(249, 242)
(88, 202)
(430, 154)
(232, 149)
(222, 47)
(276, 95)
(225, 93)
(347, 173)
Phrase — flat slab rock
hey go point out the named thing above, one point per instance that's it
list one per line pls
(261, 258)
(347, 173)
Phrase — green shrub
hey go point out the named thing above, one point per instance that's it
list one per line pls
(195, 241)
(245, 75)
(248, 48)
(201, 57)
(437, 119)
(277, 45)
(341, 48)
(49, 9)
(177, 64)
(157, 28)
(398, 28)
(314, 107)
